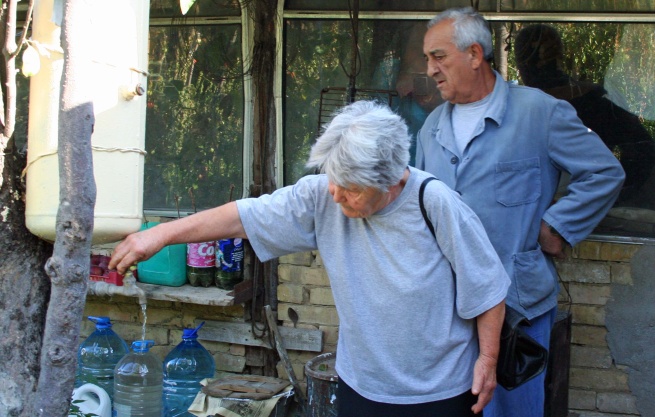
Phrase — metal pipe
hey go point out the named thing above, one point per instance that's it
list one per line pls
(128, 289)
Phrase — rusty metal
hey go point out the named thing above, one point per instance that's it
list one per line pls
(322, 382)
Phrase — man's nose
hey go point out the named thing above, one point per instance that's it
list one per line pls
(433, 68)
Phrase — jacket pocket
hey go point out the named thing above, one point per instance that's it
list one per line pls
(518, 182)
(533, 278)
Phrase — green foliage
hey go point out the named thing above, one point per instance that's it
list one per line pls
(194, 130)
(318, 55)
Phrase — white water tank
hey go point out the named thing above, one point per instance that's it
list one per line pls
(118, 61)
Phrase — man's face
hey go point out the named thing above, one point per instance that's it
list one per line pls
(449, 67)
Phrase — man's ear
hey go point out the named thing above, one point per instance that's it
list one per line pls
(477, 55)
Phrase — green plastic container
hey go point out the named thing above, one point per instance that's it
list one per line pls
(166, 267)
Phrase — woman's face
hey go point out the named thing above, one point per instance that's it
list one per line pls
(358, 202)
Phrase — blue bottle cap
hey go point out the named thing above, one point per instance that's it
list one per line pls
(192, 333)
(142, 345)
(101, 322)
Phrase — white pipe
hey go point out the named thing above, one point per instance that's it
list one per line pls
(128, 289)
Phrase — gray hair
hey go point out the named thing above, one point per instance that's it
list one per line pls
(365, 145)
(470, 27)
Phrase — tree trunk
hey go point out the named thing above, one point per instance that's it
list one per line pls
(69, 265)
(500, 54)
(24, 292)
(24, 287)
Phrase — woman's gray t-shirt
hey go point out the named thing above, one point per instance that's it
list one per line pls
(407, 332)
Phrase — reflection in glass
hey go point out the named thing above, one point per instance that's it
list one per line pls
(317, 56)
(194, 123)
(603, 70)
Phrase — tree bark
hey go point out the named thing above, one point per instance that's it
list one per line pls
(24, 287)
(500, 54)
(68, 268)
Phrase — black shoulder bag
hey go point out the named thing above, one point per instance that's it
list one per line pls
(521, 357)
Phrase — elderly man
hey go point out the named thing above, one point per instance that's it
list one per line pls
(503, 147)
(420, 314)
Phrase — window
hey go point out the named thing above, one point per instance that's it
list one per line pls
(389, 66)
(197, 128)
(578, 6)
(194, 123)
(605, 69)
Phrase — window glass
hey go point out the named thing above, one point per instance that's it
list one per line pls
(318, 56)
(194, 123)
(386, 5)
(605, 71)
(578, 5)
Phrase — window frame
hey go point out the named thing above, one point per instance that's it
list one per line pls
(498, 16)
(283, 14)
(246, 52)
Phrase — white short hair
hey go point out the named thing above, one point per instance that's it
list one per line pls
(366, 145)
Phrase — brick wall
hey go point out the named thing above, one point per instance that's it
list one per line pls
(165, 321)
(597, 387)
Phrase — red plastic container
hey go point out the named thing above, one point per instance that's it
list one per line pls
(100, 272)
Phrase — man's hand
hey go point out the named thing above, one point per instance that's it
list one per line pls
(551, 243)
(484, 381)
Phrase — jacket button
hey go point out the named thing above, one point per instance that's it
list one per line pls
(454, 160)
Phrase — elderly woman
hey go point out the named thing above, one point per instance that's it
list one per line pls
(420, 315)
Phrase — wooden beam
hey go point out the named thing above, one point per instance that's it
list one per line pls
(240, 333)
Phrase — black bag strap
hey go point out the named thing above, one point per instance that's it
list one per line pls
(421, 191)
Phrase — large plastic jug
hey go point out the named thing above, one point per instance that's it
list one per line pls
(184, 367)
(98, 355)
(166, 267)
(116, 77)
(94, 400)
(138, 383)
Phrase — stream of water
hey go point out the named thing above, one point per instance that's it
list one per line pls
(145, 319)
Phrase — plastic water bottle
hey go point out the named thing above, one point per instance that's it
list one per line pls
(138, 383)
(98, 355)
(184, 368)
(200, 264)
(229, 263)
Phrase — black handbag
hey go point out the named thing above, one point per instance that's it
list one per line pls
(521, 357)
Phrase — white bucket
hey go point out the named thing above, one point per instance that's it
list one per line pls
(94, 400)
